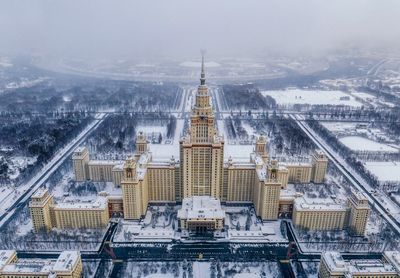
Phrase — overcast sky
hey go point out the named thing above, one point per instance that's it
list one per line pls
(121, 29)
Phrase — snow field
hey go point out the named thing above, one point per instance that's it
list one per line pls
(358, 143)
(384, 171)
(312, 97)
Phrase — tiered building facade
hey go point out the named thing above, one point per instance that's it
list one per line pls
(202, 171)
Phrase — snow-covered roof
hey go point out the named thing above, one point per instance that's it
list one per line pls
(40, 192)
(289, 194)
(309, 204)
(99, 203)
(204, 207)
(80, 149)
(5, 256)
(66, 261)
(335, 263)
(29, 266)
(296, 164)
(118, 167)
(394, 258)
(104, 162)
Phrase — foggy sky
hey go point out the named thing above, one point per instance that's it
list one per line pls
(172, 28)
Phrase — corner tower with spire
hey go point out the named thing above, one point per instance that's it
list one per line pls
(202, 150)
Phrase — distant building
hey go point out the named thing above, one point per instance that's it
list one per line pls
(67, 265)
(334, 266)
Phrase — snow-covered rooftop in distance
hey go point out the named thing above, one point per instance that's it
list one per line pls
(5, 256)
(289, 194)
(394, 258)
(79, 149)
(66, 261)
(370, 266)
(74, 203)
(334, 261)
(118, 167)
(29, 266)
(40, 192)
(201, 207)
(105, 162)
(304, 203)
(295, 164)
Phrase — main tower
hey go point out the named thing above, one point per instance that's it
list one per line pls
(202, 150)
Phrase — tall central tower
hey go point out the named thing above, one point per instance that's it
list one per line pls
(202, 150)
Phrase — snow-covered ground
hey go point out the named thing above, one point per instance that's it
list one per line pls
(384, 171)
(358, 143)
(199, 269)
(165, 151)
(149, 129)
(312, 97)
(238, 152)
(364, 96)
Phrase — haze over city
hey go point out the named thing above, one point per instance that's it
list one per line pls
(192, 139)
(137, 29)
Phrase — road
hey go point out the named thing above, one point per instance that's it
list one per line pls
(34, 183)
(357, 182)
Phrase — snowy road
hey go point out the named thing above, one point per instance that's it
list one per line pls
(8, 208)
(386, 208)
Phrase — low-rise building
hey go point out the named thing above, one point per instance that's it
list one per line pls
(70, 213)
(67, 265)
(319, 215)
(328, 214)
(201, 214)
(334, 266)
(76, 214)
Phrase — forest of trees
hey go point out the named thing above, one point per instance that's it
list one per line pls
(246, 96)
(36, 135)
(118, 132)
(93, 96)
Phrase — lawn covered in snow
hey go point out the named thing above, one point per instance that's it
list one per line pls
(384, 171)
(357, 143)
(312, 97)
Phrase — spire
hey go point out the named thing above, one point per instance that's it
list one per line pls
(203, 74)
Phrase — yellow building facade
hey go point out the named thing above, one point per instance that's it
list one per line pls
(67, 265)
(202, 171)
(39, 208)
(334, 266)
(359, 212)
